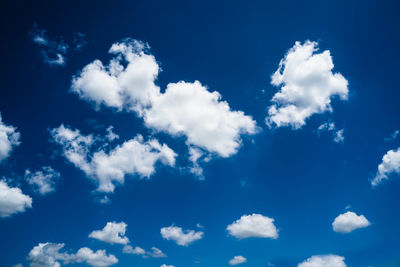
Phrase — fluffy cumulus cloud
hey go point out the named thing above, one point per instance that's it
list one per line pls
(237, 260)
(323, 261)
(113, 233)
(390, 164)
(348, 222)
(134, 156)
(338, 134)
(190, 109)
(306, 86)
(12, 200)
(181, 237)
(44, 181)
(154, 252)
(49, 255)
(118, 86)
(9, 139)
(255, 225)
(185, 108)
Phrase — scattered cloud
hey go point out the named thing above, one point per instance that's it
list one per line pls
(323, 261)
(112, 233)
(338, 134)
(134, 156)
(79, 41)
(44, 181)
(164, 265)
(307, 85)
(49, 255)
(255, 225)
(390, 164)
(53, 52)
(237, 260)
(393, 136)
(348, 222)
(181, 237)
(12, 200)
(154, 252)
(9, 139)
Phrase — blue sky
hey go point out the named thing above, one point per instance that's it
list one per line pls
(284, 153)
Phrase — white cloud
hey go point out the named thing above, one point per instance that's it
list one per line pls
(324, 261)
(190, 109)
(164, 265)
(154, 252)
(44, 180)
(134, 156)
(307, 85)
(9, 139)
(95, 259)
(118, 86)
(390, 164)
(255, 225)
(113, 233)
(393, 136)
(348, 222)
(12, 200)
(53, 52)
(49, 255)
(338, 134)
(182, 238)
(237, 260)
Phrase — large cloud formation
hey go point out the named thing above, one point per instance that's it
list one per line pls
(324, 261)
(181, 237)
(12, 200)
(49, 255)
(306, 83)
(184, 109)
(390, 164)
(9, 139)
(134, 156)
(255, 225)
(348, 222)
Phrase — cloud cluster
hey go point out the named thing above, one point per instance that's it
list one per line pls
(390, 164)
(187, 109)
(44, 181)
(49, 255)
(134, 156)
(255, 225)
(306, 85)
(9, 139)
(348, 222)
(338, 134)
(153, 253)
(324, 261)
(237, 260)
(180, 236)
(112, 233)
(12, 200)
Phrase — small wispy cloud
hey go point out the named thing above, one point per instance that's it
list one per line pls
(338, 134)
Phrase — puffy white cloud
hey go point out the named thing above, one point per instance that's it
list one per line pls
(154, 252)
(113, 233)
(134, 156)
(237, 260)
(307, 85)
(255, 225)
(348, 222)
(390, 164)
(190, 109)
(324, 261)
(44, 180)
(12, 200)
(95, 259)
(338, 134)
(49, 255)
(182, 238)
(9, 139)
(118, 86)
